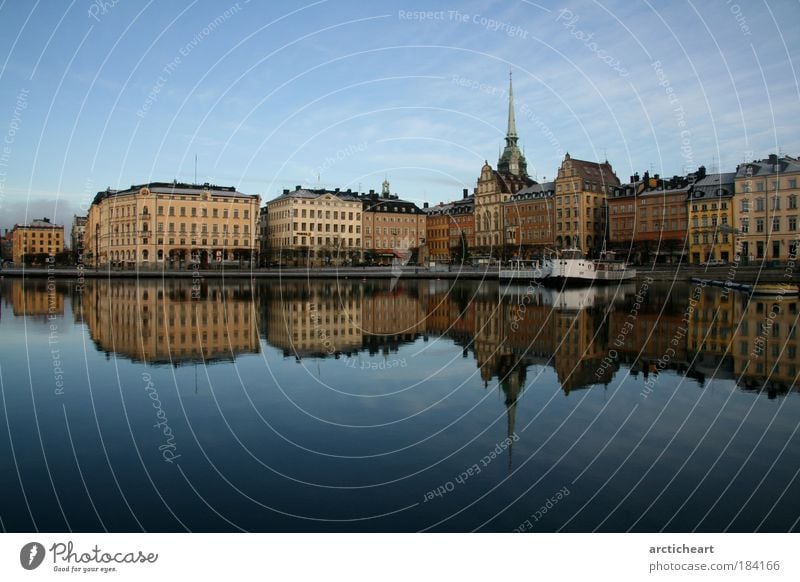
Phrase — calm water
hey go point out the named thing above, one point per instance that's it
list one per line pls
(353, 406)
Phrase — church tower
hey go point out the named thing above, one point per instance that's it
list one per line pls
(511, 160)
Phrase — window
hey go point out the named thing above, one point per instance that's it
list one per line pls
(776, 249)
(776, 224)
(745, 225)
(760, 225)
(776, 203)
(745, 205)
(792, 223)
(760, 205)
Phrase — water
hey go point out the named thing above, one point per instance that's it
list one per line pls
(353, 406)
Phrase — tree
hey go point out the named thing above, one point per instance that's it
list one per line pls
(460, 252)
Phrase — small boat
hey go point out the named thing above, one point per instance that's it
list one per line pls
(572, 267)
(519, 270)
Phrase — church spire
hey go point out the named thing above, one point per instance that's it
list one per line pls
(512, 160)
(511, 132)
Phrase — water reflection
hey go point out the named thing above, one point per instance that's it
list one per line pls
(587, 336)
(172, 322)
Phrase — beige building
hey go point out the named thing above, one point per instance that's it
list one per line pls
(172, 225)
(765, 209)
(314, 227)
(391, 227)
(40, 237)
(581, 191)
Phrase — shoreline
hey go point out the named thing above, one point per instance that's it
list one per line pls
(752, 275)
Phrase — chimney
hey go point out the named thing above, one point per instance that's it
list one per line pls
(701, 172)
(636, 177)
(297, 188)
(466, 193)
(424, 205)
(372, 192)
(773, 159)
(285, 190)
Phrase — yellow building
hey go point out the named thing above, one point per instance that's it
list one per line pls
(171, 225)
(710, 213)
(40, 237)
(320, 227)
(581, 191)
(766, 209)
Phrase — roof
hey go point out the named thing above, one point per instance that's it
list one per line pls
(394, 204)
(714, 185)
(594, 170)
(544, 190)
(311, 194)
(174, 188)
(768, 167)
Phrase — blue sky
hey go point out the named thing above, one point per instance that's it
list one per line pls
(341, 93)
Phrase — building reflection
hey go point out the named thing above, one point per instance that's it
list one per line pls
(586, 336)
(171, 322)
(36, 297)
(764, 348)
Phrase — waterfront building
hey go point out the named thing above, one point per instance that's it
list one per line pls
(77, 236)
(495, 187)
(40, 237)
(315, 227)
(580, 200)
(766, 209)
(6, 245)
(710, 213)
(437, 227)
(530, 220)
(647, 218)
(462, 227)
(164, 224)
(391, 227)
(263, 236)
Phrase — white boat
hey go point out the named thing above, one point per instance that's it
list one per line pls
(526, 270)
(572, 267)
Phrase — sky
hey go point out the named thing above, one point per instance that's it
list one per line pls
(342, 94)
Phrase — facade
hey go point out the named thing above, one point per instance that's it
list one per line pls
(263, 236)
(6, 251)
(462, 228)
(495, 187)
(766, 209)
(530, 220)
(710, 213)
(437, 236)
(647, 218)
(171, 225)
(391, 227)
(77, 235)
(40, 237)
(315, 227)
(582, 188)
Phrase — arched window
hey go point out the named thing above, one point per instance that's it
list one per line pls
(145, 254)
(160, 254)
